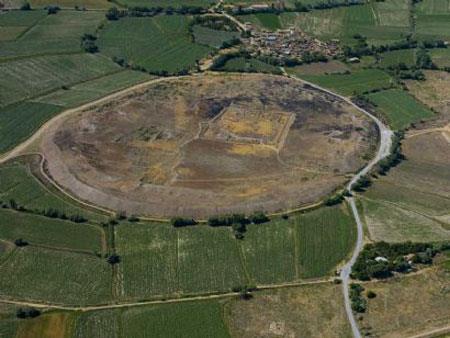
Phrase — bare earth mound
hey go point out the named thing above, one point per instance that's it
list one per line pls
(204, 145)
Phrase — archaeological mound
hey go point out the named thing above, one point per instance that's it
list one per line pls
(208, 145)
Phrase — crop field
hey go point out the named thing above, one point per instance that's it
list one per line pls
(55, 276)
(71, 4)
(192, 260)
(22, 79)
(212, 37)
(15, 23)
(57, 33)
(166, 3)
(432, 19)
(161, 43)
(193, 319)
(380, 22)
(18, 121)
(406, 56)
(8, 320)
(441, 56)
(94, 89)
(186, 260)
(40, 230)
(241, 64)
(321, 68)
(414, 195)
(268, 21)
(357, 82)
(20, 184)
(399, 108)
(49, 325)
(391, 313)
(291, 312)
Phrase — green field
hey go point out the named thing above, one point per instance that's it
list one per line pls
(159, 260)
(71, 4)
(241, 64)
(433, 17)
(441, 56)
(15, 23)
(40, 230)
(166, 3)
(53, 34)
(55, 276)
(399, 108)
(381, 22)
(161, 43)
(193, 319)
(406, 56)
(94, 89)
(18, 121)
(25, 78)
(212, 37)
(357, 82)
(268, 21)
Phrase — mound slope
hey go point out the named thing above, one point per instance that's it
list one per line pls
(213, 144)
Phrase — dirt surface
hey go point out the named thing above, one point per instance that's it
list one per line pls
(211, 144)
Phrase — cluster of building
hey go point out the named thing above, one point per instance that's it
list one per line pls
(287, 43)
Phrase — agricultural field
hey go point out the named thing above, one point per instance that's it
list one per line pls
(393, 58)
(43, 231)
(356, 82)
(380, 22)
(161, 43)
(320, 68)
(268, 21)
(52, 34)
(51, 324)
(50, 275)
(15, 23)
(19, 120)
(31, 77)
(441, 57)
(432, 19)
(391, 313)
(186, 260)
(241, 64)
(290, 312)
(414, 195)
(166, 3)
(399, 108)
(8, 320)
(433, 91)
(187, 319)
(212, 37)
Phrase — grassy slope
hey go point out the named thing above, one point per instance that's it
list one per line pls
(212, 37)
(399, 108)
(161, 43)
(241, 64)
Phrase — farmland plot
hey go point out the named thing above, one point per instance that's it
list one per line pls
(212, 37)
(55, 276)
(98, 324)
(241, 64)
(18, 183)
(399, 108)
(25, 78)
(433, 17)
(167, 3)
(57, 33)
(161, 43)
(40, 230)
(15, 23)
(357, 82)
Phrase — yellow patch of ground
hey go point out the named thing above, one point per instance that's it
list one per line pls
(250, 149)
(164, 145)
(250, 191)
(156, 174)
(54, 325)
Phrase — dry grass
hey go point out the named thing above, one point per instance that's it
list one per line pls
(50, 325)
(307, 311)
(409, 305)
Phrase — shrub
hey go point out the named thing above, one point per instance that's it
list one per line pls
(182, 222)
(113, 259)
(25, 7)
(27, 313)
(259, 218)
(371, 294)
(20, 242)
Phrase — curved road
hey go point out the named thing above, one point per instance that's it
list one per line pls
(383, 151)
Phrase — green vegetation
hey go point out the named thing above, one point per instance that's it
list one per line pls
(162, 44)
(213, 37)
(94, 89)
(269, 21)
(56, 33)
(357, 82)
(19, 121)
(441, 57)
(39, 230)
(432, 20)
(25, 78)
(393, 58)
(359, 304)
(193, 319)
(55, 276)
(166, 3)
(399, 108)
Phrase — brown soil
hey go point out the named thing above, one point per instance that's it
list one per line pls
(211, 144)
